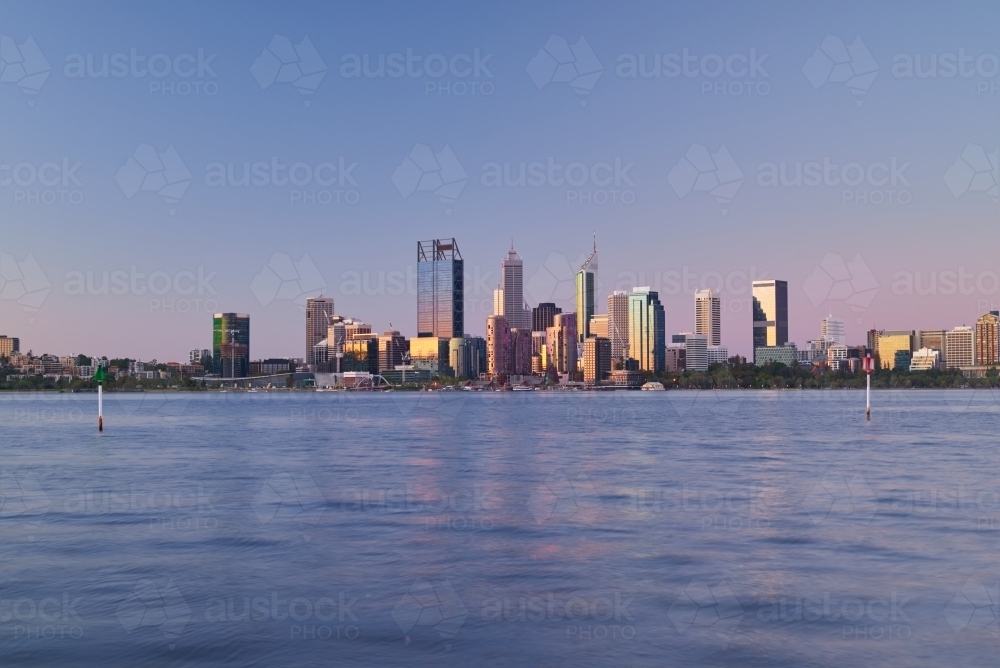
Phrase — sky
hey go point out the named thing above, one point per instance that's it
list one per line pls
(674, 132)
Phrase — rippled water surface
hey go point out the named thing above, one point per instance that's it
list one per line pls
(640, 529)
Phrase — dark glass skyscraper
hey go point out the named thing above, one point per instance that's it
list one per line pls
(231, 345)
(770, 313)
(440, 289)
(543, 315)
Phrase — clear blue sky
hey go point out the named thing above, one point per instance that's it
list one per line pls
(517, 108)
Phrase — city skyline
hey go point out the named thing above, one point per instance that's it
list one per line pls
(209, 237)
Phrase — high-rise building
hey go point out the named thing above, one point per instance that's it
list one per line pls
(586, 288)
(960, 347)
(468, 356)
(508, 298)
(9, 345)
(196, 356)
(319, 310)
(596, 359)
(988, 338)
(520, 352)
(770, 314)
(647, 329)
(392, 347)
(889, 342)
(497, 345)
(618, 324)
(708, 316)
(695, 350)
(338, 332)
(542, 315)
(360, 354)
(832, 330)
(561, 341)
(676, 360)
(599, 326)
(231, 344)
(717, 355)
(925, 359)
(431, 353)
(440, 289)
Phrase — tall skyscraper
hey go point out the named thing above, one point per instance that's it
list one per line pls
(647, 330)
(708, 316)
(596, 359)
(319, 310)
(832, 330)
(508, 298)
(392, 346)
(440, 289)
(618, 324)
(695, 350)
(542, 315)
(498, 340)
(770, 314)
(231, 344)
(988, 338)
(9, 345)
(890, 342)
(586, 286)
(561, 342)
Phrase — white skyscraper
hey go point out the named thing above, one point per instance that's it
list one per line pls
(708, 316)
(832, 330)
(508, 298)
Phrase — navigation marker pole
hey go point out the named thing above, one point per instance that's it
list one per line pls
(99, 377)
(869, 366)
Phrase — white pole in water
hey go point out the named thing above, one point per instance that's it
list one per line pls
(869, 366)
(100, 408)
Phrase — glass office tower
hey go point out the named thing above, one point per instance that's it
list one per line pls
(586, 286)
(440, 289)
(770, 314)
(231, 345)
(647, 330)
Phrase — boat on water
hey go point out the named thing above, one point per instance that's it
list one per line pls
(523, 388)
(653, 386)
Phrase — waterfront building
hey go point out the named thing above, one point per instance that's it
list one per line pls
(196, 356)
(647, 330)
(520, 352)
(708, 316)
(785, 354)
(933, 339)
(319, 310)
(440, 289)
(901, 360)
(960, 347)
(925, 359)
(695, 350)
(676, 360)
(618, 324)
(467, 356)
(392, 347)
(889, 342)
(770, 314)
(586, 288)
(497, 345)
(717, 355)
(231, 344)
(837, 352)
(596, 359)
(561, 342)
(432, 353)
(360, 355)
(988, 339)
